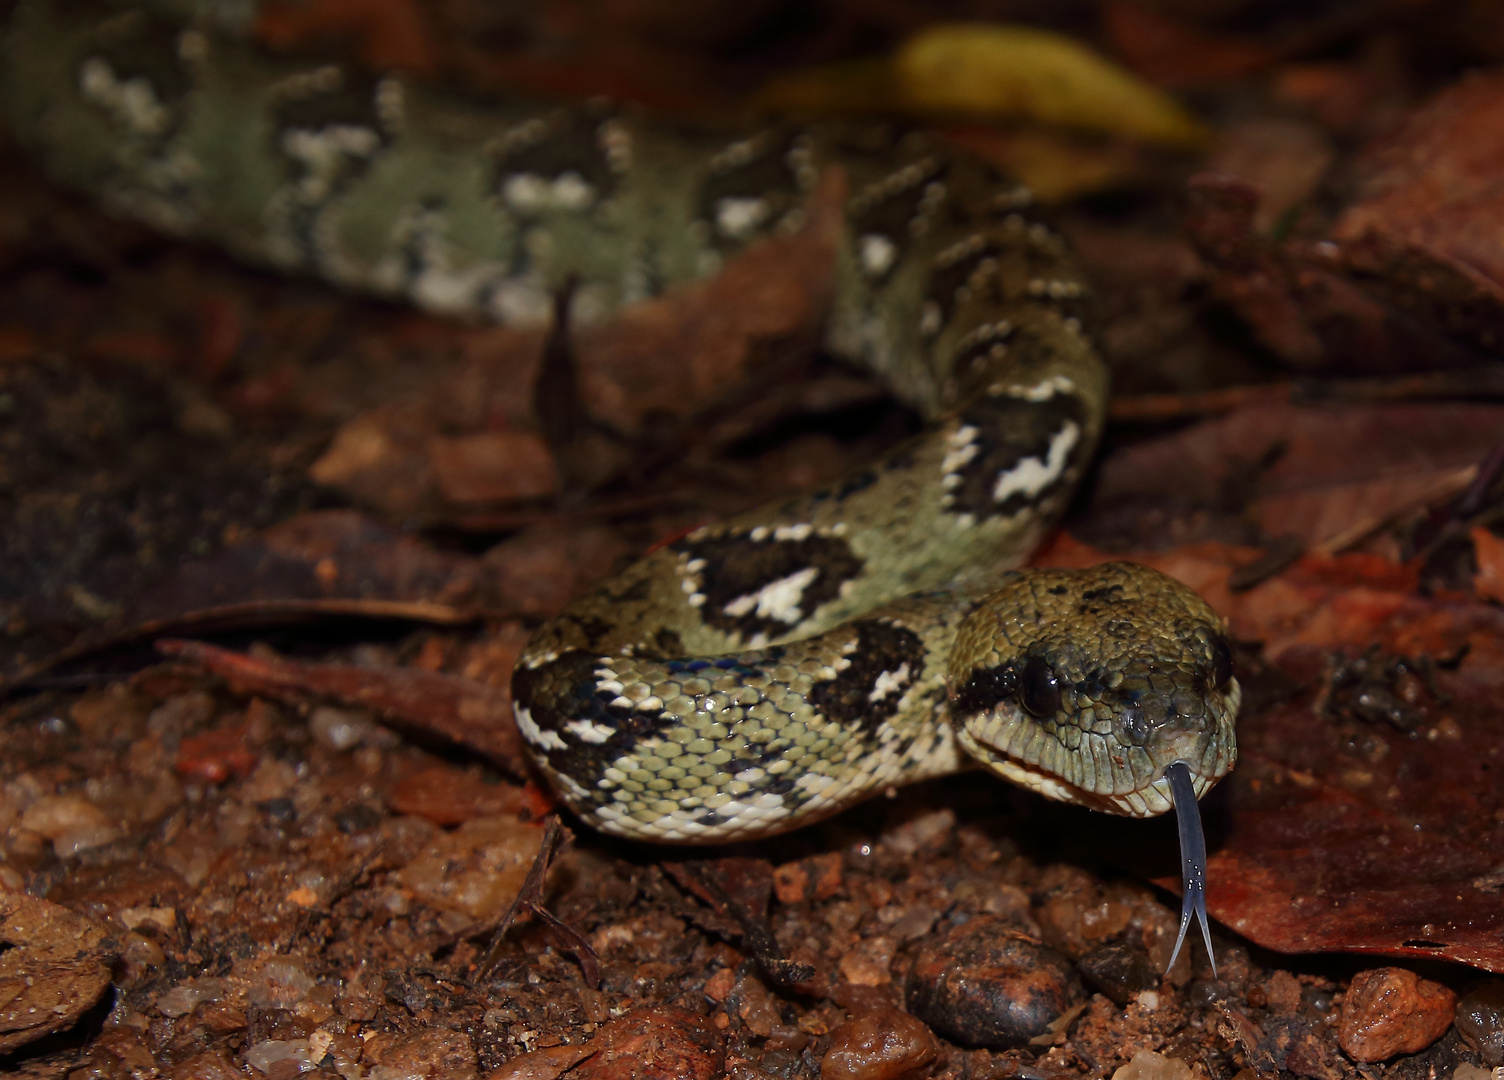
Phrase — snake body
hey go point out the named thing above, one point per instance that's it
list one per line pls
(768, 670)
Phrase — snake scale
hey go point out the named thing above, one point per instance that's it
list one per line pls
(765, 671)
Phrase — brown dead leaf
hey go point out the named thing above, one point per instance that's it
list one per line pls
(1173, 53)
(1285, 159)
(1489, 551)
(433, 449)
(324, 555)
(1428, 223)
(490, 467)
(447, 795)
(1325, 473)
(1356, 837)
(548, 1063)
(53, 972)
(468, 713)
(1412, 277)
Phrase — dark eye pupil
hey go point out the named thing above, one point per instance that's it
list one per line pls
(1221, 663)
(1038, 690)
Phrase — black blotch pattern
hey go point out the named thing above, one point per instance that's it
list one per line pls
(634, 591)
(945, 281)
(571, 144)
(565, 689)
(1009, 430)
(975, 356)
(891, 217)
(593, 627)
(881, 647)
(352, 103)
(666, 643)
(736, 566)
(766, 176)
(983, 689)
(147, 49)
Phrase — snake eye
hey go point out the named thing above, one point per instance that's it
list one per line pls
(1038, 689)
(1221, 663)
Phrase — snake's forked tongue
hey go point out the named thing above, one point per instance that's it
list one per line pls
(1192, 859)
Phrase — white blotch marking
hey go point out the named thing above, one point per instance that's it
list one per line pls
(739, 216)
(529, 193)
(877, 254)
(521, 301)
(549, 740)
(132, 100)
(963, 449)
(1030, 475)
(1055, 384)
(322, 150)
(778, 600)
(890, 682)
(800, 531)
(391, 104)
(615, 141)
(590, 731)
(930, 319)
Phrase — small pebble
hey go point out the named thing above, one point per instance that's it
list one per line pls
(71, 822)
(868, 962)
(881, 1045)
(1119, 971)
(428, 1054)
(210, 1065)
(665, 1043)
(1480, 1021)
(1391, 1011)
(985, 984)
(815, 878)
(183, 998)
(280, 984)
(340, 729)
(265, 1055)
(1147, 1065)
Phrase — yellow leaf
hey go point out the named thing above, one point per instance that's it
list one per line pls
(980, 69)
(1055, 166)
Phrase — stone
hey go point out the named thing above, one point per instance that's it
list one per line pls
(884, 1044)
(1391, 1011)
(987, 984)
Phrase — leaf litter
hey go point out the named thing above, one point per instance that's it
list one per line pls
(285, 847)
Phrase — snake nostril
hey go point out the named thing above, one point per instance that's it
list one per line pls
(1188, 705)
(1135, 728)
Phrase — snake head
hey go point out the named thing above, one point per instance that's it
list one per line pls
(1085, 685)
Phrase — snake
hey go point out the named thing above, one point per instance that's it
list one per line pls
(766, 671)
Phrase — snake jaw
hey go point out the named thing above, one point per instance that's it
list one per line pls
(1020, 749)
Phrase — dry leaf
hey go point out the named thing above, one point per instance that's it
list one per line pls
(1023, 72)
